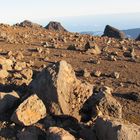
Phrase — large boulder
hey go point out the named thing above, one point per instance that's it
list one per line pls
(55, 26)
(7, 100)
(113, 32)
(60, 90)
(56, 133)
(30, 111)
(116, 129)
(138, 38)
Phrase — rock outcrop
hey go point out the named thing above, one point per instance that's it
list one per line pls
(113, 32)
(55, 26)
(60, 90)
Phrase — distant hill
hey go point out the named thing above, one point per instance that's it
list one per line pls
(98, 33)
(131, 33)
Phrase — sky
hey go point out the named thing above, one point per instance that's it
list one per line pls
(12, 11)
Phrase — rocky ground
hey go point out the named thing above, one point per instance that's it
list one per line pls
(57, 85)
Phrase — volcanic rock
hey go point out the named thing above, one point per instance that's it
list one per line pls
(116, 129)
(113, 32)
(56, 133)
(60, 90)
(55, 26)
(29, 112)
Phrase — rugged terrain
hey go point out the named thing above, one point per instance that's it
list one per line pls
(56, 85)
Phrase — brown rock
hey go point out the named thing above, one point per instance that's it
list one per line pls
(19, 66)
(105, 104)
(6, 64)
(27, 74)
(56, 133)
(60, 90)
(92, 49)
(116, 129)
(71, 47)
(19, 56)
(3, 74)
(29, 112)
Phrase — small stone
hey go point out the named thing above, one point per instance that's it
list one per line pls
(94, 61)
(97, 73)
(115, 75)
(71, 47)
(19, 66)
(86, 73)
(19, 56)
(112, 58)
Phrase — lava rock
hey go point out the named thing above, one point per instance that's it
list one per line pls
(113, 32)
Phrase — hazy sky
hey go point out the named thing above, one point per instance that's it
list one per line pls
(18, 10)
